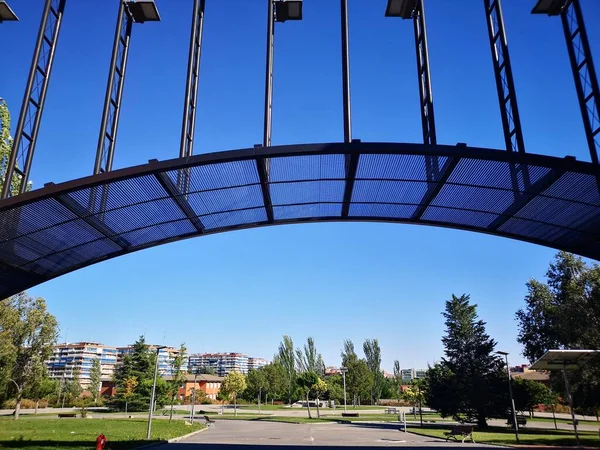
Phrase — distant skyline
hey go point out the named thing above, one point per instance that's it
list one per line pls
(243, 290)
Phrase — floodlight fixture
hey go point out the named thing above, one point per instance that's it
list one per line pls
(550, 7)
(288, 10)
(6, 13)
(143, 11)
(501, 353)
(401, 8)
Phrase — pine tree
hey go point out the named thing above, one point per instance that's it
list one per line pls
(473, 374)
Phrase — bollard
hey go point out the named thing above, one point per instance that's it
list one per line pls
(101, 442)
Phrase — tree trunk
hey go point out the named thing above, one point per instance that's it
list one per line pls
(18, 405)
(415, 410)
(318, 410)
(308, 406)
(235, 405)
(37, 404)
(172, 403)
(481, 422)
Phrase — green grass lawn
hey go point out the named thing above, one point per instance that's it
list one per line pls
(499, 435)
(80, 434)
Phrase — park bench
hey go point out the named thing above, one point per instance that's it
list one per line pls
(349, 414)
(521, 420)
(209, 421)
(465, 431)
(391, 410)
(61, 415)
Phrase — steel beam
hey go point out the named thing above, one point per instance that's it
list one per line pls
(351, 168)
(262, 166)
(114, 91)
(91, 220)
(425, 90)
(584, 74)
(32, 108)
(181, 200)
(509, 110)
(346, 73)
(186, 147)
(267, 123)
(433, 189)
(526, 197)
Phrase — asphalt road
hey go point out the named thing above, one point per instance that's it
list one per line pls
(230, 435)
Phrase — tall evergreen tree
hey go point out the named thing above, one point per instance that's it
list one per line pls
(95, 379)
(308, 359)
(373, 357)
(286, 357)
(471, 373)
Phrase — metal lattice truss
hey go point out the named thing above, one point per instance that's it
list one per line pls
(584, 73)
(55, 230)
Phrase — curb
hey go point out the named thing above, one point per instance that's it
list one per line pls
(170, 441)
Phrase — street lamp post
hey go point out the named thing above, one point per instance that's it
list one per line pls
(194, 398)
(344, 370)
(158, 349)
(512, 401)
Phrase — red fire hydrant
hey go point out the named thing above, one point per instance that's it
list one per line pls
(101, 442)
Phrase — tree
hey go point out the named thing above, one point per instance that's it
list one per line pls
(319, 388)
(95, 380)
(564, 313)
(286, 357)
(335, 389)
(129, 385)
(233, 385)
(178, 377)
(40, 388)
(275, 376)
(529, 393)
(306, 381)
(27, 333)
(359, 379)
(308, 359)
(397, 380)
(373, 357)
(415, 395)
(347, 351)
(257, 384)
(6, 144)
(138, 364)
(471, 372)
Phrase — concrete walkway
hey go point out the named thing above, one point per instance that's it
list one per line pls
(229, 434)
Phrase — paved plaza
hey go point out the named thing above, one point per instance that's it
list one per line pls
(231, 433)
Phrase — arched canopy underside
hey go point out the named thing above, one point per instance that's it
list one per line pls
(61, 228)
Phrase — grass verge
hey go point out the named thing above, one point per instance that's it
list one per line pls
(505, 436)
(80, 434)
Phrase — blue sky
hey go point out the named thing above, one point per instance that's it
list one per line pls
(241, 291)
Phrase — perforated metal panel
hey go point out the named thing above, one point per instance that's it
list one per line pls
(61, 228)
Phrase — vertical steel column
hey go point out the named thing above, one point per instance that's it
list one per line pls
(114, 91)
(509, 110)
(425, 90)
(584, 74)
(269, 75)
(346, 73)
(35, 95)
(191, 88)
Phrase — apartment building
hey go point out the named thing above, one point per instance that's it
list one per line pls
(222, 363)
(409, 375)
(256, 363)
(166, 356)
(68, 359)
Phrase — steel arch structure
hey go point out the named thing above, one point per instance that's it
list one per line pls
(61, 228)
